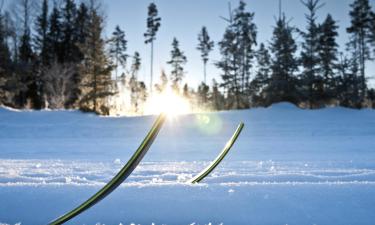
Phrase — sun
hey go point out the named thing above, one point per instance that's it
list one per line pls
(167, 102)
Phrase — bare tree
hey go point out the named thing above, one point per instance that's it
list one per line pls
(58, 81)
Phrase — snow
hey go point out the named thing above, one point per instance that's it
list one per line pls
(289, 166)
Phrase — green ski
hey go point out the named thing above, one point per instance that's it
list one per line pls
(120, 176)
(220, 157)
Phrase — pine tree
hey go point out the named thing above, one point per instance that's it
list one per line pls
(95, 69)
(41, 28)
(153, 24)
(54, 36)
(360, 31)
(5, 60)
(216, 98)
(27, 96)
(163, 82)
(134, 83)
(203, 91)
(262, 76)
(69, 52)
(117, 48)
(237, 53)
(372, 34)
(309, 54)
(178, 59)
(246, 34)
(328, 56)
(282, 85)
(81, 26)
(205, 45)
(228, 65)
(41, 47)
(348, 82)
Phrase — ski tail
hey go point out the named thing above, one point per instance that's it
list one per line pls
(220, 157)
(120, 176)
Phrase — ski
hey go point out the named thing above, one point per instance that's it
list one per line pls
(120, 176)
(220, 157)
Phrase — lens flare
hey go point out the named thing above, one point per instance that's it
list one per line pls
(167, 102)
(209, 123)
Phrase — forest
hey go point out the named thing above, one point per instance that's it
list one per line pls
(56, 56)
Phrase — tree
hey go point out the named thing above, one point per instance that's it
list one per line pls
(203, 90)
(70, 51)
(54, 36)
(310, 53)
(237, 52)
(163, 82)
(153, 24)
(136, 65)
(205, 45)
(95, 69)
(41, 47)
(5, 60)
(348, 82)
(262, 75)
(246, 34)
(58, 81)
(328, 55)
(134, 83)
(216, 98)
(40, 38)
(81, 27)
(360, 31)
(27, 96)
(117, 48)
(178, 59)
(282, 85)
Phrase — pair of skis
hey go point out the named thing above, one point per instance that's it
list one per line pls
(133, 163)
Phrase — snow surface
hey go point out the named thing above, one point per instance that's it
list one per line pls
(289, 166)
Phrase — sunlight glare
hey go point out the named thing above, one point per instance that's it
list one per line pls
(167, 102)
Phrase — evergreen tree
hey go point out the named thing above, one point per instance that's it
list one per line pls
(163, 82)
(136, 65)
(81, 27)
(216, 98)
(54, 36)
(69, 53)
(95, 69)
(41, 28)
(205, 45)
(41, 47)
(282, 85)
(237, 53)
(153, 24)
(134, 83)
(262, 76)
(228, 64)
(203, 91)
(348, 82)
(178, 59)
(246, 34)
(328, 56)
(117, 48)
(5, 60)
(310, 54)
(360, 31)
(28, 95)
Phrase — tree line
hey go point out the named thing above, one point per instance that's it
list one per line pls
(55, 56)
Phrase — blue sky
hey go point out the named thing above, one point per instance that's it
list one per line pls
(183, 19)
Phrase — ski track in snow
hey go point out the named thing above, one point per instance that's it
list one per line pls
(242, 173)
(289, 166)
